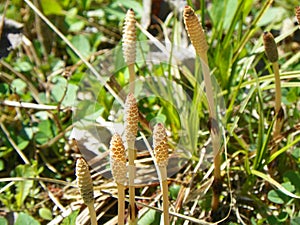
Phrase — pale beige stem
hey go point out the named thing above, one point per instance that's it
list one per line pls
(121, 204)
(165, 194)
(93, 216)
(131, 173)
(277, 87)
(131, 78)
(278, 121)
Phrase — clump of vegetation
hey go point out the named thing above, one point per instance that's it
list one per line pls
(83, 68)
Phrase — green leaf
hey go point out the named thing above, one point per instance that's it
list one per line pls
(295, 221)
(272, 15)
(73, 22)
(1, 166)
(151, 217)
(22, 66)
(82, 44)
(71, 94)
(174, 189)
(25, 219)
(275, 197)
(293, 177)
(51, 7)
(3, 221)
(45, 131)
(4, 89)
(45, 213)
(296, 153)
(59, 88)
(19, 86)
(274, 183)
(71, 219)
(23, 187)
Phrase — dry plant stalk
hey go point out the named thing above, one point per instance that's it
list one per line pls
(119, 172)
(161, 154)
(297, 12)
(197, 37)
(272, 54)
(85, 185)
(129, 45)
(131, 127)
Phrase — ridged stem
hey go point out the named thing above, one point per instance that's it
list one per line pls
(131, 128)
(272, 54)
(160, 145)
(131, 78)
(277, 87)
(165, 196)
(119, 172)
(131, 173)
(121, 203)
(278, 109)
(197, 37)
(92, 212)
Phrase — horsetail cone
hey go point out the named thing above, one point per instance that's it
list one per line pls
(131, 118)
(160, 145)
(84, 181)
(118, 159)
(270, 47)
(129, 38)
(297, 12)
(194, 29)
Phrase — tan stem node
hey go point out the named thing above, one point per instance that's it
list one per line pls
(131, 119)
(160, 145)
(84, 181)
(118, 159)
(129, 38)
(270, 47)
(195, 31)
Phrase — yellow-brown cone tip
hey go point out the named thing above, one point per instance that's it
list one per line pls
(160, 145)
(270, 47)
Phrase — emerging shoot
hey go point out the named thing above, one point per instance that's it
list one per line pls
(119, 172)
(85, 185)
(161, 154)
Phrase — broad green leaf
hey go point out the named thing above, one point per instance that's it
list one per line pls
(82, 44)
(3, 221)
(275, 183)
(51, 7)
(4, 89)
(45, 213)
(294, 178)
(71, 94)
(45, 131)
(23, 187)
(73, 22)
(25, 219)
(59, 88)
(22, 66)
(18, 86)
(275, 197)
(295, 221)
(71, 219)
(151, 217)
(296, 153)
(174, 189)
(88, 110)
(273, 14)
